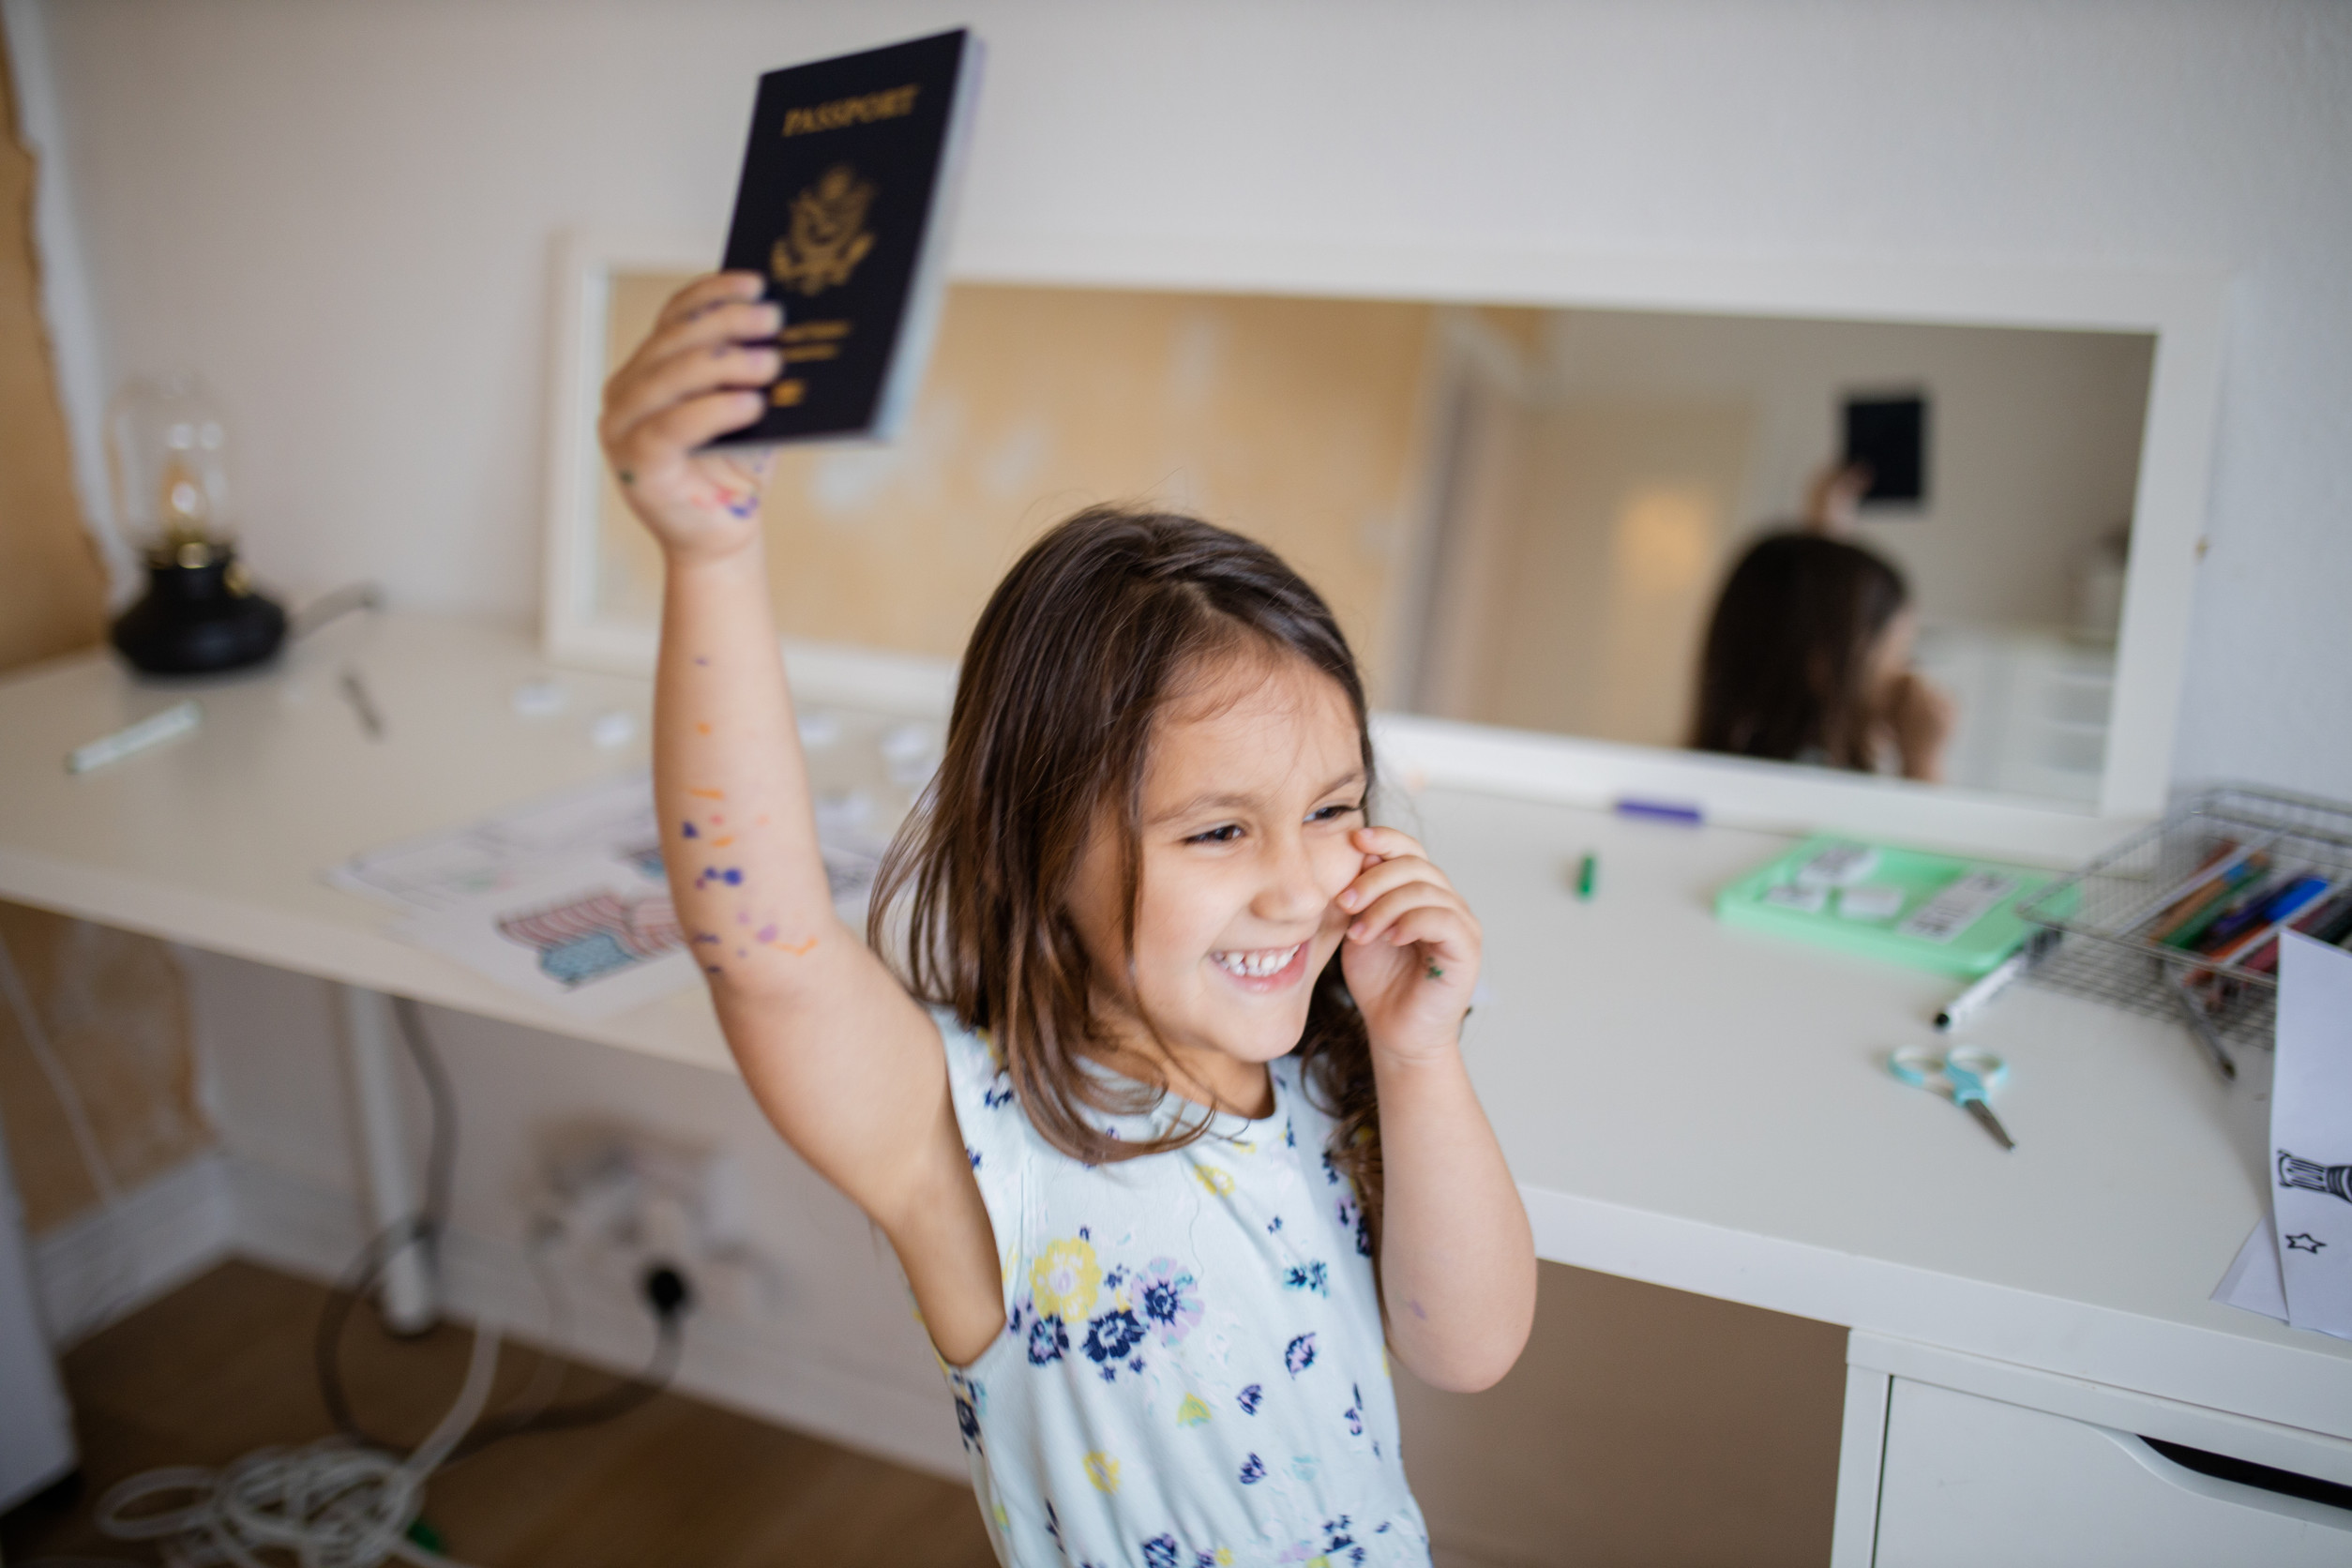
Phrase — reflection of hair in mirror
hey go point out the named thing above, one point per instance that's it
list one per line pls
(1788, 669)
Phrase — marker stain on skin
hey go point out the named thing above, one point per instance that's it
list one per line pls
(1417, 1310)
(732, 877)
(741, 919)
(701, 661)
(707, 936)
(708, 794)
(688, 828)
(797, 950)
(712, 969)
(701, 729)
(765, 933)
(722, 843)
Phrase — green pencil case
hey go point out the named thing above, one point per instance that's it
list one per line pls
(1935, 911)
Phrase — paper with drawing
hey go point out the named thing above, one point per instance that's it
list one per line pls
(563, 898)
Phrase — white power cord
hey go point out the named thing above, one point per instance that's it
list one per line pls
(332, 1503)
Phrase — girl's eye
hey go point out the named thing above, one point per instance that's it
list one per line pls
(1225, 834)
(1332, 813)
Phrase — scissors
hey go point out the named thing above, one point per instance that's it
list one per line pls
(1965, 1074)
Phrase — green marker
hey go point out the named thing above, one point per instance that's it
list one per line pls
(1585, 871)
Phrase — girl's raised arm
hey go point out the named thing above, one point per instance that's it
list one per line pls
(846, 1065)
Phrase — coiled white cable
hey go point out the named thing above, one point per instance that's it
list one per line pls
(332, 1503)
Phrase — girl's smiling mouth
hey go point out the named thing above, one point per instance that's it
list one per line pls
(1263, 968)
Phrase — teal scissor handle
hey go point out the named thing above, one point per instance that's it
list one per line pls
(1966, 1074)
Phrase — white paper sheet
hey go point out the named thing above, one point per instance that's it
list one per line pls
(612, 820)
(2253, 1281)
(563, 898)
(2310, 1135)
(590, 936)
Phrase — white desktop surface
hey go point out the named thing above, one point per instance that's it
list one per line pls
(1685, 1103)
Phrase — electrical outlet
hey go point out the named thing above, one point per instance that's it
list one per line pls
(618, 1198)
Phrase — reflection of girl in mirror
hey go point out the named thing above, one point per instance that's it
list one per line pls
(1808, 655)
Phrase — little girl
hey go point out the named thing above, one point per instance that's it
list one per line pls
(1161, 1107)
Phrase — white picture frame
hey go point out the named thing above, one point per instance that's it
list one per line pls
(2181, 309)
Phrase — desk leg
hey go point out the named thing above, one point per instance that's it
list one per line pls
(406, 1298)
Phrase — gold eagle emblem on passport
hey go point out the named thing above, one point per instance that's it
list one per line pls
(828, 237)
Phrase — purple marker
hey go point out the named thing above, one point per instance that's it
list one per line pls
(1660, 810)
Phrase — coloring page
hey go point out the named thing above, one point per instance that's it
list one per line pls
(582, 932)
(2310, 1135)
(563, 898)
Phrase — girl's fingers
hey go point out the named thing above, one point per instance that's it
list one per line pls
(721, 323)
(729, 367)
(1441, 932)
(1377, 878)
(1394, 905)
(688, 425)
(715, 288)
(1386, 842)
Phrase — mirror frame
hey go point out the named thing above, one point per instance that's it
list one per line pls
(2180, 307)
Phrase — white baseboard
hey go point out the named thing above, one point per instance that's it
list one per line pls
(105, 1264)
(769, 1372)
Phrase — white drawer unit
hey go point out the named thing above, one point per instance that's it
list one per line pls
(1952, 1459)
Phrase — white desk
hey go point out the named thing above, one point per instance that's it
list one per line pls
(1683, 1104)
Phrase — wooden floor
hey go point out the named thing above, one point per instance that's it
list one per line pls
(222, 1365)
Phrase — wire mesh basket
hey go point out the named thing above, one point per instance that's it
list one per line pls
(2117, 912)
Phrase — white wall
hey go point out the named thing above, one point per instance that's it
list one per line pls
(341, 214)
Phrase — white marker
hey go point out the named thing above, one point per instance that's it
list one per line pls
(178, 719)
(1996, 980)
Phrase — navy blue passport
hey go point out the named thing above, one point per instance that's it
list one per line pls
(849, 187)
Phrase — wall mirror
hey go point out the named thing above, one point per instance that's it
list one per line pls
(1885, 567)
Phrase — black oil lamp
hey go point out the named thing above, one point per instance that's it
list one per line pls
(168, 444)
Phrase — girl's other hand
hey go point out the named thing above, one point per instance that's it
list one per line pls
(1834, 499)
(1921, 717)
(1411, 951)
(699, 374)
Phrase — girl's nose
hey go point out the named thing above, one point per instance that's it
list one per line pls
(1291, 890)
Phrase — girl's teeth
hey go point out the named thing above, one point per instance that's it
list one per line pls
(1258, 965)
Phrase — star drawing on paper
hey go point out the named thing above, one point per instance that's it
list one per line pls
(2304, 1241)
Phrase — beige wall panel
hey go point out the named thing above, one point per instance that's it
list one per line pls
(1292, 420)
(112, 1004)
(114, 1009)
(53, 591)
(1628, 506)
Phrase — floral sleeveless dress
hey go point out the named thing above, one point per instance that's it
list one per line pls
(1192, 1371)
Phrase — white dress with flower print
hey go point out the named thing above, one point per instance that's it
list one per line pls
(1192, 1370)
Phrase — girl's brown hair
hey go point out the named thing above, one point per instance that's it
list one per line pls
(1784, 674)
(1097, 626)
